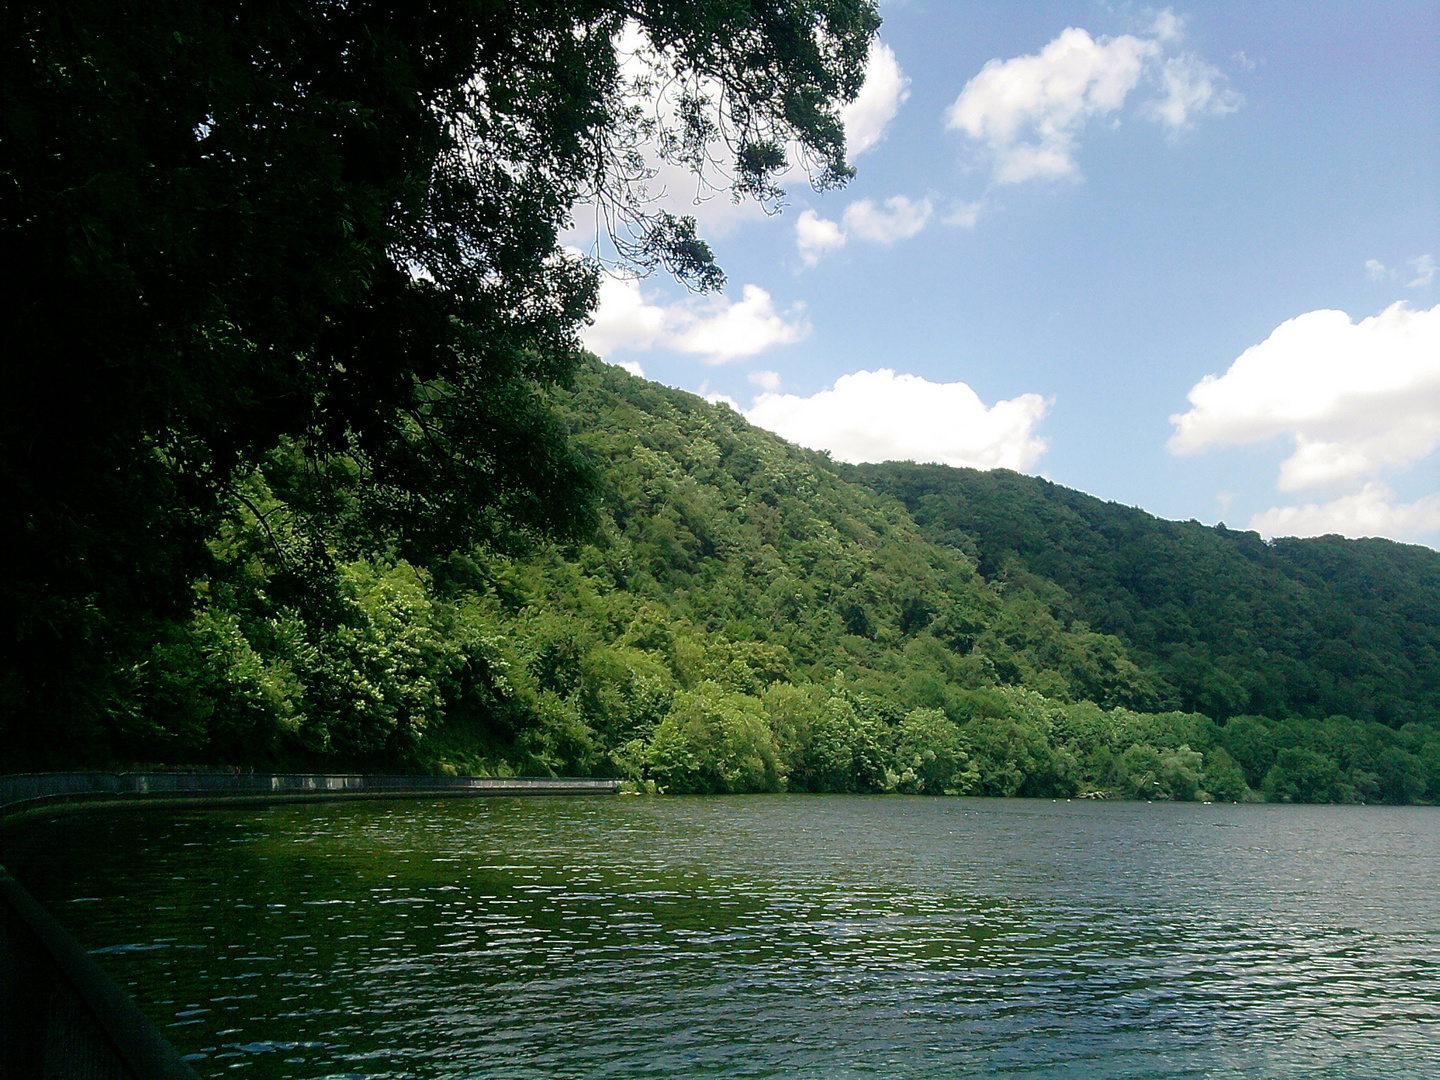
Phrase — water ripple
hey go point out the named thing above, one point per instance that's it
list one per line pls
(765, 937)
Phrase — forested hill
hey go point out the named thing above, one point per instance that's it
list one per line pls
(743, 617)
(1221, 621)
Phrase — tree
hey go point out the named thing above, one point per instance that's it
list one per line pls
(714, 741)
(233, 224)
(1303, 775)
(1224, 779)
(1143, 772)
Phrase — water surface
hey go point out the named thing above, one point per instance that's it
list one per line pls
(766, 936)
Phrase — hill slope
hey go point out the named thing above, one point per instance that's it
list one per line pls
(745, 617)
(1220, 621)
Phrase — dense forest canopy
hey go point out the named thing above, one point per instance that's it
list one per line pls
(239, 226)
(1220, 621)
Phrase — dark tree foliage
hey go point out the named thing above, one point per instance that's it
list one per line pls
(1222, 622)
(235, 223)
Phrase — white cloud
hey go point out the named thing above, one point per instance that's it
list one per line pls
(623, 320)
(817, 237)
(881, 416)
(885, 89)
(1371, 511)
(633, 367)
(649, 85)
(1356, 398)
(964, 215)
(716, 328)
(1424, 267)
(1029, 111)
(721, 330)
(1192, 88)
(1168, 27)
(900, 220)
(766, 380)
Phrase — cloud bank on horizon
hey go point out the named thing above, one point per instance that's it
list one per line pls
(1371, 511)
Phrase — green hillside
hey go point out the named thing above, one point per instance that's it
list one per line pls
(1220, 621)
(743, 617)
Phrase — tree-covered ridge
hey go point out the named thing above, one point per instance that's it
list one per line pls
(256, 227)
(743, 618)
(751, 537)
(1219, 621)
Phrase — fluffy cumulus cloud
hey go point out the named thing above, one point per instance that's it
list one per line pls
(885, 89)
(1029, 111)
(898, 218)
(623, 319)
(882, 416)
(716, 328)
(1372, 511)
(1356, 398)
(721, 330)
(816, 237)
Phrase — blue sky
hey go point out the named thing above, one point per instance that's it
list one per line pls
(1068, 216)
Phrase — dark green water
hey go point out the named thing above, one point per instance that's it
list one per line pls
(766, 936)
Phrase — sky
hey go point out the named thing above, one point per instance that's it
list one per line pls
(1183, 258)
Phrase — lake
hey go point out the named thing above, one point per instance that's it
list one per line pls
(765, 936)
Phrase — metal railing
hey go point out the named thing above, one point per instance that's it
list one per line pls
(61, 1016)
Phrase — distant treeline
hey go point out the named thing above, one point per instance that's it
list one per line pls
(745, 618)
(1014, 742)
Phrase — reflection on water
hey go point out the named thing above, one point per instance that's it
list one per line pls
(766, 936)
